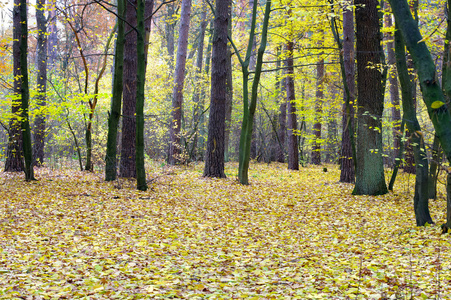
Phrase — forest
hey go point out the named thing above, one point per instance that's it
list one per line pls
(225, 149)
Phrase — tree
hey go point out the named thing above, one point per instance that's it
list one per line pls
(14, 156)
(41, 65)
(24, 92)
(214, 156)
(250, 106)
(293, 152)
(421, 206)
(370, 169)
(116, 99)
(128, 138)
(140, 84)
(316, 152)
(179, 79)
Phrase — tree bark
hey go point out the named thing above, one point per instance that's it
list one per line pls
(116, 99)
(141, 183)
(179, 79)
(293, 151)
(347, 172)
(214, 156)
(128, 139)
(25, 94)
(282, 123)
(394, 91)
(14, 155)
(370, 166)
(317, 126)
(41, 81)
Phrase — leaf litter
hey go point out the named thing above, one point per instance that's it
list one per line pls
(288, 235)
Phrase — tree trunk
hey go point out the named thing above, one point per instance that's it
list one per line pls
(25, 94)
(179, 79)
(116, 99)
(434, 169)
(347, 172)
(229, 91)
(128, 139)
(52, 42)
(214, 156)
(293, 151)
(41, 81)
(316, 152)
(432, 94)
(421, 205)
(370, 166)
(141, 183)
(394, 91)
(14, 155)
(282, 122)
(249, 108)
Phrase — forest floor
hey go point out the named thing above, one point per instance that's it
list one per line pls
(288, 235)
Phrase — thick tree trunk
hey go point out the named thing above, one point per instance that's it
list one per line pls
(293, 151)
(347, 173)
(214, 156)
(317, 126)
(14, 155)
(179, 80)
(41, 81)
(370, 166)
(128, 139)
(116, 99)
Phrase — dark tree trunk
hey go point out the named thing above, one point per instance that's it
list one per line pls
(370, 166)
(317, 126)
(116, 99)
(128, 139)
(421, 202)
(14, 155)
(434, 169)
(179, 80)
(25, 94)
(347, 173)
(214, 156)
(41, 80)
(141, 183)
(293, 151)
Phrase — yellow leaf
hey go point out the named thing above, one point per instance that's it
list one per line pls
(437, 104)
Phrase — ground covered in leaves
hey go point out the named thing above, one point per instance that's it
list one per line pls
(289, 235)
